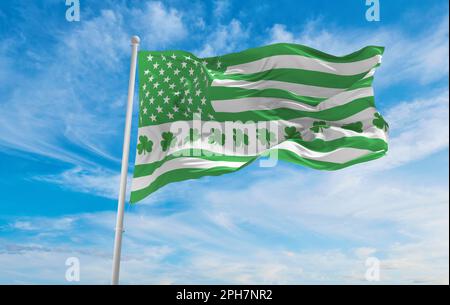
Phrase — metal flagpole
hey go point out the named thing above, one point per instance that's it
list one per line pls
(124, 170)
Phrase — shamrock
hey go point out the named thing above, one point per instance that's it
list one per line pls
(145, 145)
(379, 122)
(239, 138)
(292, 133)
(265, 136)
(216, 137)
(193, 136)
(357, 126)
(319, 126)
(168, 140)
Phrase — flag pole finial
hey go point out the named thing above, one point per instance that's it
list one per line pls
(135, 40)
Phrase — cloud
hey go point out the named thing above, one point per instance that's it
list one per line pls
(225, 39)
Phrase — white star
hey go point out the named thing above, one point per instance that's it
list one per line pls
(186, 92)
(190, 100)
(159, 109)
(150, 57)
(199, 110)
(191, 71)
(155, 65)
(211, 116)
(204, 62)
(166, 79)
(166, 100)
(177, 93)
(182, 79)
(219, 64)
(169, 64)
(156, 85)
(203, 100)
(170, 115)
(173, 56)
(183, 64)
(172, 86)
(163, 57)
(145, 110)
(150, 79)
(160, 92)
(175, 109)
(187, 57)
(147, 94)
(197, 93)
(153, 117)
(146, 72)
(176, 72)
(142, 103)
(144, 86)
(152, 99)
(183, 100)
(161, 72)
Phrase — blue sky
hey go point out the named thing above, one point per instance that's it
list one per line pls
(62, 106)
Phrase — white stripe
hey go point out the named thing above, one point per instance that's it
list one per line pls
(340, 155)
(304, 63)
(269, 103)
(303, 90)
(142, 182)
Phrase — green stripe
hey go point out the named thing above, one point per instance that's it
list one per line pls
(294, 49)
(317, 145)
(285, 155)
(297, 76)
(332, 114)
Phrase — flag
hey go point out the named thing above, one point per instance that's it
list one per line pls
(210, 116)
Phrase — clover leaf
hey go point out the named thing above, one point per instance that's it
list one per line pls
(145, 145)
(240, 138)
(319, 126)
(265, 136)
(193, 136)
(216, 137)
(168, 140)
(357, 126)
(379, 122)
(292, 133)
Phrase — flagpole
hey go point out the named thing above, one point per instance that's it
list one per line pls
(124, 170)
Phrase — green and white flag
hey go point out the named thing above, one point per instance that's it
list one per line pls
(209, 116)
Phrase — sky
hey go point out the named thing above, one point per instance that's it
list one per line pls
(63, 88)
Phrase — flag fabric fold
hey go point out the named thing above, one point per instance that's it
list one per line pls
(210, 116)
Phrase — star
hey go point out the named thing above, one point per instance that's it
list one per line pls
(175, 108)
(172, 86)
(166, 79)
(150, 79)
(155, 85)
(147, 94)
(163, 57)
(160, 92)
(211, 116)
(219, 64)
(169, 64)
(155, 65)
(144, 110)
(186, 92)
(176, 72)
(183, 64)
(170, 115)
(199, 110)
(197, 93)
(153, 117)
(182, 79)
(161, 72)
(187, 57)
(203, 100)
(144, 86)
(152, 99)
(146, 72)
(159, 109)
(191, 71)
(173, 56)
(166, 100)
(150, 57)
(177, 93)
(142, 102)
(190, 100)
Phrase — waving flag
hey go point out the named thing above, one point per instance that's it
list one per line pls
(210, 116)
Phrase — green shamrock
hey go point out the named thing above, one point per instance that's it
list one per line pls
(216, 137)
(168, 140)
(145, 145)
(319, 126)
(265, 136)
(357, 126)
(292, 133)
(193, 136)
(379, 122)
(239, 138)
